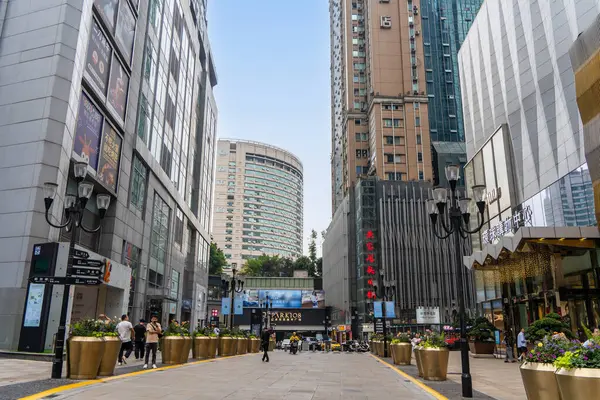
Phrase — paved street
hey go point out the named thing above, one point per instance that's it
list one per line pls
(315, 376)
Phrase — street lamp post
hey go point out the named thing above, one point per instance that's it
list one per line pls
(232, 286)
(459, 216)
(268, 305)
(74, 206)
(327, 324)
(388, 288)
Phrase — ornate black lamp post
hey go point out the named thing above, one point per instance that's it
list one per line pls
(387, 293)
(459, 217)
(232, 286)
(74, 206)
(268, 306)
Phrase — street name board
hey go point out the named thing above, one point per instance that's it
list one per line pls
(379, 325)
(81, 253)
(65, 280)
(87, 263)
(86, 271)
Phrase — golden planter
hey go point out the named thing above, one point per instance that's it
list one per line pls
(434, 363)
(255, 345)
(579, 383)
(112, 346)
(242, 345)
(234, 348)
(482, 347)
(171, 349)
(225, 344)
(84, 355)
(271, 345)
(213, 346)
(418, 361)
(188, 341)
(539, 381)
(401, 353)
(200, 347)
(249, 345)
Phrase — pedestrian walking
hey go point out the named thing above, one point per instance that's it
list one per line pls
(126, 334)
(153, 334)
(510, 342)
(265, 337)
(521, 344)
(140, 339)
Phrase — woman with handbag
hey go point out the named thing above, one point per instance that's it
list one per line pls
(153, 334)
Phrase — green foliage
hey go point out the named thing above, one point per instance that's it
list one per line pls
(482, 330)
(176, 329)
(225, 333)
(403, 337)
(87, 328)
(548, 325)
(266, 265)
(434, 341)
(108, 328)
(588, 332)
(580, 358)
(216, 260)
(551, 347)
(312, 252)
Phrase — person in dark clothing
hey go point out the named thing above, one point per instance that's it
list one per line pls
(140, 339)
(265, 337)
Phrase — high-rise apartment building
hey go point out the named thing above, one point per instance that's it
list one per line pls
(379, 101)
(258, 201)
(126, 86)
(445, 24)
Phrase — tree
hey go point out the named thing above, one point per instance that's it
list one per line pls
(319, 266)
(265, 265)
(216, 261)
(304, 263)
(312, 247)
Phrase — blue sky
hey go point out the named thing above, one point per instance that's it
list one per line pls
(272, 60)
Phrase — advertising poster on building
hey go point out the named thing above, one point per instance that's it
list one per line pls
(33, 310)
(377, 309)
(251, 298)
(125, 29)
(225, 306)
(238, 305)
(117, 89)
(390, 311)
(313, 299)
(282, 298)
(108, 12)
(108, 169)
(98, 59)
(87, 133)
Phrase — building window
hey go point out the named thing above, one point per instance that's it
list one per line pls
(389, 122)
(159, 239)
(178, 237)
(395, 140)
(357, 121)
(174, 284)
(420, 157)
(137, 192)
(131, 257)
(418, 139)
(421, 175)
(144, 119)
(417, 121)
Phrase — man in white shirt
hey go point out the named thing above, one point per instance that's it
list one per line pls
(125, 330)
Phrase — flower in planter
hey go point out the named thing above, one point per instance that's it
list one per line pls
(582, 357)
(551, 348)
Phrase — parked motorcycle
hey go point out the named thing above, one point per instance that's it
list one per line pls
(293, 347)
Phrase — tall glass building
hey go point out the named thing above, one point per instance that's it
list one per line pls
(258, 201)
(445, 24)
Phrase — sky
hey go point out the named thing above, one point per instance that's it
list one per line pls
(272, 61)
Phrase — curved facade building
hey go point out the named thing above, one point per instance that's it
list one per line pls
(258, 201)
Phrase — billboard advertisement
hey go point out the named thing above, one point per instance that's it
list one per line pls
(87, 133)
(284, 298)
(108, 11)
(98, 59)
(108, 168)
(125, 29)
(117, 89)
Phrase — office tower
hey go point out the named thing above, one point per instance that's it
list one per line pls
(379, 104)
(258, 201)
(126, 86)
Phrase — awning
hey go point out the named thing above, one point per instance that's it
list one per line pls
(565, 236)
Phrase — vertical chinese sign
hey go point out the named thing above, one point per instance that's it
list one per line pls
(369, 262)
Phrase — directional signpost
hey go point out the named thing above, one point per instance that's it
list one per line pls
(82, 262)
(84, 272)
(64, 280)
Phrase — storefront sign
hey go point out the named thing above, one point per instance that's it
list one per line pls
(428, 315)
(98, 59)
(108, 168)
(370, 260)
(286, 316)
(379, 325)
(509, 225)
(87, 133)
(494, 195)
(368, 328)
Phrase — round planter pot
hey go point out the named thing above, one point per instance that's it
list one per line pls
(578, 384)
(225, 344)
(213, 346)
(482, 347)
(84, 355)
(171, 349)
(200, 347)
(539, 381)
(435, 364)
(419, 362)
(271, 345)
(401, 353)
(112, 345)
(185, 350)
(242, 345)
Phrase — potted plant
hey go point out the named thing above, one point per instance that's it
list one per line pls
(242, 342)
(172, 344)
(434, 357)
(253, 343)
(537, 372)
(481, 337)
(578, 371)
(184, 329)
(401, 349)
(200, 348)
(225, 343)
(213, 345)
(549, 325)
(112, 345)
(85, 348)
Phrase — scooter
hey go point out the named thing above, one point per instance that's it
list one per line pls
(293, 347)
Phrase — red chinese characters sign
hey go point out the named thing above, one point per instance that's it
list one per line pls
(370, 269)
